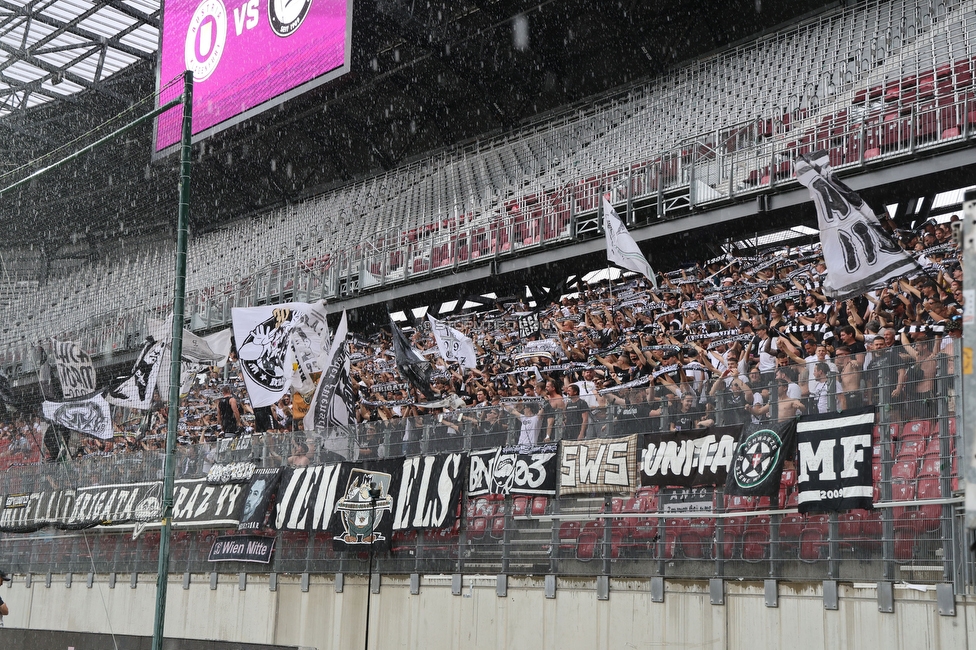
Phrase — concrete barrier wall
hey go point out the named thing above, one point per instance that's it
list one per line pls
(478, 618)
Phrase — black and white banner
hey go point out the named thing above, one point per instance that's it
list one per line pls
(76, 373)
(858, 253)
(364, 511)
(453, 345)
(239, 472)
(686, 500)
(307, 496)
(687, 458)
(429, 491)
(834, 456)
(259, 494)
(598, 466)
(195, 503)
(514, 470)
(758, 462)
(136, 390)
(242, 548)
(90, 416)
(331, 404)
(262, 336)
(425, 492)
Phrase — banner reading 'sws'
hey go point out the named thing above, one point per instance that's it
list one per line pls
(599, 466)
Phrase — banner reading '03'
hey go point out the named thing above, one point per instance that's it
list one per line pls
(599, 466)
(514, 470)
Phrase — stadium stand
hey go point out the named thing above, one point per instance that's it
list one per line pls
(867, 82)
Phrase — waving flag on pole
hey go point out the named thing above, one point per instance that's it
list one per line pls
(331, 404)
(857, 251)
(453, 344)
(89, 415)
(622, 250)
(136, 390)
(411, 364)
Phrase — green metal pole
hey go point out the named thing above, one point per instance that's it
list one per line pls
(176, 353)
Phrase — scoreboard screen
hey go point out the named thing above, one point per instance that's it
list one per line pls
(246, 56)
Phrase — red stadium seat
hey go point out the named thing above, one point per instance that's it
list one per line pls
(916, 430)
(569, 532)
(539, 506)
(520, 506)
(755, 539)
(904, 470)
(930, 515)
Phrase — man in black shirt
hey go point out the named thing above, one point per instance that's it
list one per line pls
(577, 414)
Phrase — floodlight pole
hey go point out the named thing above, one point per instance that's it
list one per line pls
(176, 353)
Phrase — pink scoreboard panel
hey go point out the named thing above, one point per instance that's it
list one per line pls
(246, 57)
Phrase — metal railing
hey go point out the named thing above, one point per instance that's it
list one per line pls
(914, 533)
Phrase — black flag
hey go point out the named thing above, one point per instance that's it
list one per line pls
(758, 462)
(834, 456)
(412, 366)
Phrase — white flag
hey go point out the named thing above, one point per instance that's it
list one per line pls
(262, 335)
(308, 337)
(75, 370)
(136, 390)
(858, 253)
(196, 352)
(219, 342)
(453, 344)
(622, 250)
(89, 416)
(331, 405)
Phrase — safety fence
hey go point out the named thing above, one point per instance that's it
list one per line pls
(913, 533)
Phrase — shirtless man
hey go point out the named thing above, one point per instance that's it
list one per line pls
(787, 408)
(849, 376)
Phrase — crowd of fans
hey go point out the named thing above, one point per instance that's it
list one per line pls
(727, 341)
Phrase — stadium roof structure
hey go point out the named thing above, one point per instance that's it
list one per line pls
(51, 50)
(425, 75)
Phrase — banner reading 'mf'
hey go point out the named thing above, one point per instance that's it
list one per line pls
(834, 461)
(599, 466)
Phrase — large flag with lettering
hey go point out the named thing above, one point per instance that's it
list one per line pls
(90, 416)
(331, 404)
(757, 465)
(136, 390)
(76, 374)
(453, 345)
(834, 456)
(622, 250)
(859, 254)
(410, 363)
